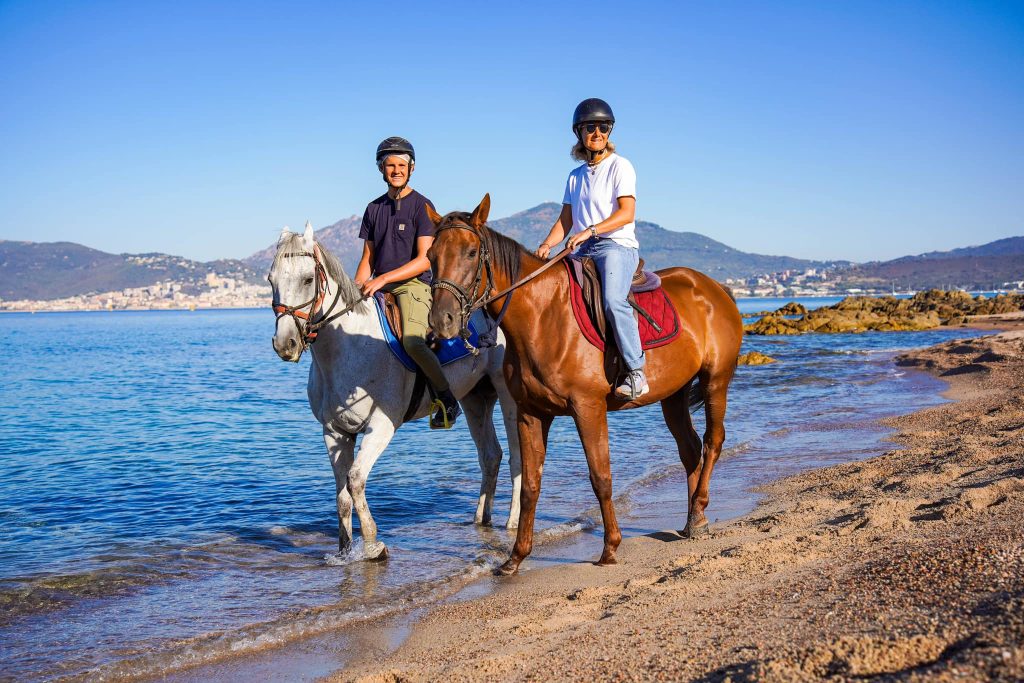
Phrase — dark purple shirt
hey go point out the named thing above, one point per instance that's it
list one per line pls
(393, 233)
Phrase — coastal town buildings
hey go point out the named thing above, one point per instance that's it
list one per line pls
(219, 292)
(227, 292)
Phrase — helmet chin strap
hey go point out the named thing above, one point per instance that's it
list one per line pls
(398, 191)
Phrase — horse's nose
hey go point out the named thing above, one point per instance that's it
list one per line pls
(286, 349)
(446, 324)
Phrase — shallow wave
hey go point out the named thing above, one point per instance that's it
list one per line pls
(300, 624)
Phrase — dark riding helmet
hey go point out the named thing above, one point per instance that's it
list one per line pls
(395, 145)
(592, 109)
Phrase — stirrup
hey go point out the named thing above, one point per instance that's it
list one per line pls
(437, 405)
(629, 383)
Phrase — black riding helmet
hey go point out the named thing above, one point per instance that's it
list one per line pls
(395, 145)
(592, 109)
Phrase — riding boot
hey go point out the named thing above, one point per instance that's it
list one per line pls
(446, 411)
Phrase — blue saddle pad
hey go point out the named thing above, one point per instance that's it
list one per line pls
(448, 351)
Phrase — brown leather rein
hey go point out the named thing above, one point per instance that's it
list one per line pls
(304, 322)
(468, 303)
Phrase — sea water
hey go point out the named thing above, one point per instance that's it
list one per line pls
(166, 499)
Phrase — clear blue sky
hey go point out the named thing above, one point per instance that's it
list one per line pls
(856, 130)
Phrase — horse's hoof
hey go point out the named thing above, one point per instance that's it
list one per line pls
(605, 561)
(510, 568)
(376, 552)
(512, 525)
(695, 531)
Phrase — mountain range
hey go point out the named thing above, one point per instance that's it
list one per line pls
(660, 247)
(53, 270)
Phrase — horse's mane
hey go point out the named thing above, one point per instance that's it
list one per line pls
(292, 242)
(506, 253)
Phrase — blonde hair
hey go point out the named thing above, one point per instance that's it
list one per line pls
(581, 153)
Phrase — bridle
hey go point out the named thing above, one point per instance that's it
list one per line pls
(304, 322)
(469, 300)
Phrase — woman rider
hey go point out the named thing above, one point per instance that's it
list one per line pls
(598, 208)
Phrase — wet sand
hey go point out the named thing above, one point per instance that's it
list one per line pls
(906, 566)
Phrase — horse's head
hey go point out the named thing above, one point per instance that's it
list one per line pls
(296, 277)
(457, 257)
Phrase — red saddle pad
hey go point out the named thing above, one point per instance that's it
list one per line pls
(655, 302)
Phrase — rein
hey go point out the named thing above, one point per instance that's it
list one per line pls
(469, 303)
(308, 327)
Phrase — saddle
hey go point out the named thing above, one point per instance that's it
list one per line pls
(446, 350)
(392, 313)
(657, 317)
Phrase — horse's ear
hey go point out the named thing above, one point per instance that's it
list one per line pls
(479, 217)
(307, 236)
(434, 216)
(284, 234)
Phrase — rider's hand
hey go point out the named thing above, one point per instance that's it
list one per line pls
(543, 250)
(371, 286)
(578, 239)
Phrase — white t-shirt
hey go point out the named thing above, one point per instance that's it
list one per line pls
(592, 194)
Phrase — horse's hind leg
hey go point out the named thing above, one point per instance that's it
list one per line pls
(478, 406)
(676, 409)
(592, 424)
(515, 462)
(340, 448)
(716, 387)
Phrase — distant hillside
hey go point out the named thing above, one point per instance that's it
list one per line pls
(53, 270)
(662, 248)
(659, 247)
(341, 239)
(979, 267)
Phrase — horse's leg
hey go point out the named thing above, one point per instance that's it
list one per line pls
(376, 437)
(478, 405)
(533, 439)
(716, 387)
(592, 424)
(515, 462)
(340, 447)
(676, 409)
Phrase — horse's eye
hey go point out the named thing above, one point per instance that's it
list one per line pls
(309, 281)
(472, 253)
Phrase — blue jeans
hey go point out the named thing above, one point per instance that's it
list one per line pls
(616, 265)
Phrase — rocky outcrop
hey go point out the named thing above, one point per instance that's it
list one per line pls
(923, 311)
(755, 358)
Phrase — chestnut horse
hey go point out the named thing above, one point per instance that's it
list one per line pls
(551, 369)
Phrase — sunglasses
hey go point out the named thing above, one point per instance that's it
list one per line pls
(604, 127)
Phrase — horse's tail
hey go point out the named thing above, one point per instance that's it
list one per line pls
(695, 390)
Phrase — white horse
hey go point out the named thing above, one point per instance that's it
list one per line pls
(357, 386)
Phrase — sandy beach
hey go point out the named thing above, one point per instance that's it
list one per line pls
(906, 566)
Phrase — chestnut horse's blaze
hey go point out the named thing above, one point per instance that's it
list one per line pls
(551, 369)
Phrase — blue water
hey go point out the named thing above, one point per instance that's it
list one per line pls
(166, 499)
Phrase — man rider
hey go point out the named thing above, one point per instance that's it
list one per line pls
(397, 234)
